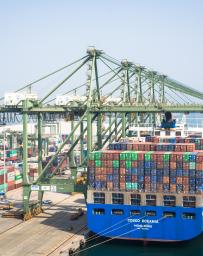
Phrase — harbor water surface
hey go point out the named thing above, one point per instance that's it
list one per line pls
(133, 248)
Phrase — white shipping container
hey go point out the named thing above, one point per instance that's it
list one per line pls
(112, 101)
(11, 176)
(65, 100)
(15, 99)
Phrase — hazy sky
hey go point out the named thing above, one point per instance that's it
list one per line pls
(39, 36)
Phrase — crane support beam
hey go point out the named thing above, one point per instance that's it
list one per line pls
(59, 149)
(149, 109)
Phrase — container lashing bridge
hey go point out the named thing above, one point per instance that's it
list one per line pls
(121, 93)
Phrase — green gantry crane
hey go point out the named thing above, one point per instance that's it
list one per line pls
(122, 93)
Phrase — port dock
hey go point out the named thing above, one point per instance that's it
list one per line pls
(47, 139)
(49, 233)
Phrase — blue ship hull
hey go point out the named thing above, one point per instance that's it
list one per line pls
(142, 227)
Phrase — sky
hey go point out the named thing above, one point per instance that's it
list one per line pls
(38, 36)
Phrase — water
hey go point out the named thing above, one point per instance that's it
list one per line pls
(133, 248)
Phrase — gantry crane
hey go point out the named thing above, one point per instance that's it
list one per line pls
(116, 91)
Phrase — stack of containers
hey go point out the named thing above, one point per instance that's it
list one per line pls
(3, 183)
(33, 171)
(140, 171)
(152, 146)
(18, 178)
(197, 141)
(128, 170)
(125, 169)
(147, 171)
(11, 155)
(1, 155)
(11, 177)
(30, 152)
(199, 172)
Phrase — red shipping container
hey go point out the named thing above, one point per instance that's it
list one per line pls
(129, 146)
(173, 157)
(141, 156)
(11, 185)
(159, 188)
(10, 168)
(152, 147)
(98, 171)
(122, 163)
(199, 158)
(122, 178)
(173, 165)
(109, 170)
(190, 147)
(185, 180)
(134, 178)
(134, 164)
(179, 156)
(135, 147)
(146, 179)
(179, 180)
(103, 170)
(166, 179)
(153, 156)
(122, 186)
(172, 188)
(122, 171)
(2, 181)
(199, 166)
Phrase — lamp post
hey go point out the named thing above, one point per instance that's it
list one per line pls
(4, 161)
(4, 152)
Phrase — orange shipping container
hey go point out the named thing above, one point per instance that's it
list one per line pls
(166, 179)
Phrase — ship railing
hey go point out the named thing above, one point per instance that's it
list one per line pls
(144, 125)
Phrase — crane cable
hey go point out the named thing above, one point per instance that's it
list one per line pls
(110, 239)
(102, 234)
(80, 86)
(48, 75)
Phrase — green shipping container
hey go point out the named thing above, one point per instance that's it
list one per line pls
(128, 164)
(134, 186)
(131, 186)
(192, 166)
(116, 163)
(97, 155)
(98, 163)
(122, 156)
(128, 155)
(186, 157)
(147, 156)
(134, 156)
(128, 185)
(3, 187)
(2, 171)
(18, 177)
(166, 156)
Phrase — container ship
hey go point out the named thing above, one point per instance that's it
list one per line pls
(147, 190)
